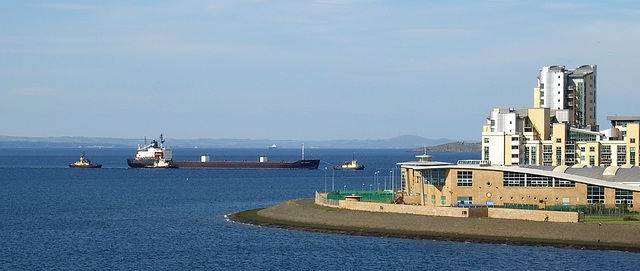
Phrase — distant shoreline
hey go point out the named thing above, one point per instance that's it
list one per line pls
(303, 214)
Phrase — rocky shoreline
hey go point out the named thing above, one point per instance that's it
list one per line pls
(303, 214)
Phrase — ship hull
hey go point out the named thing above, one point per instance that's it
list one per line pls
(348, 168)
(300, 164)
(85, 166)
(142, 163)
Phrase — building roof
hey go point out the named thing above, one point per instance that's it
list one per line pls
(628, 118)
(623, 178)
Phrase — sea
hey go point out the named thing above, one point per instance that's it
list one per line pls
(53, 217)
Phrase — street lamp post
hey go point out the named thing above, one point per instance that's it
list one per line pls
(333, 181)
(325, 179)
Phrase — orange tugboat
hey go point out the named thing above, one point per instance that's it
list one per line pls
(84, 163)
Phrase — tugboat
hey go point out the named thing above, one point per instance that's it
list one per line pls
(151, 156)
(84, 163)
(353, 165)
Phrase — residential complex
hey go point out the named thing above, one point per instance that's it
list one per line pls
(551, 154)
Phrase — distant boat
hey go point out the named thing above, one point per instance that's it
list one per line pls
(273, 146)
(353, 165)
(84, 163)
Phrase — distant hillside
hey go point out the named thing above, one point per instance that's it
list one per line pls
(399, 142)
(459, 146)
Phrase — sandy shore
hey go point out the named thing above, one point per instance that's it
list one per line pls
(303, 214)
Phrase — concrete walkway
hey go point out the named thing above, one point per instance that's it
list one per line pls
(303, 214)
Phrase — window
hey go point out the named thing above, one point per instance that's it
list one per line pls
(564, 183)
(559, 155)
(486, 153)
(513, 179)
(592, 149)
(632, 156)
(486, 140)
(443, 200)
(539, 181)
(465, 200)
(465, 178)
(558, 140)
(433, 199)
(624, 197)
(622, 155)
(534, 161)
(595, 194)
(633, 140)
(518, 179)
(435, 177)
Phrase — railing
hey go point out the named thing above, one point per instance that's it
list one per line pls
(475, 162)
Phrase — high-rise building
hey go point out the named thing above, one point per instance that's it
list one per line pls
(572, 91)
(561, 128)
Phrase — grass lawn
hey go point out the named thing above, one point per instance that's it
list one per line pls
(611, 219)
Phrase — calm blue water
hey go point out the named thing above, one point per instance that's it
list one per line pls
(55, 217)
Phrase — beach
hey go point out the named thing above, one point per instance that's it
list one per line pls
(303, 214)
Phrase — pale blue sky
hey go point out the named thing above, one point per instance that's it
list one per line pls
(305, 70)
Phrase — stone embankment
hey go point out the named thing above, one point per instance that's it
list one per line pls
(303, 214)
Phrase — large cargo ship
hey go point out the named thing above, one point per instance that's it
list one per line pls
(158, 156)
(204, 163)
(152, 155)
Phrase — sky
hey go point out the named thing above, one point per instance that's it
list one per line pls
(300, 70)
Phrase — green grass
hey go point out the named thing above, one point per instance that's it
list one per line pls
(611, 219)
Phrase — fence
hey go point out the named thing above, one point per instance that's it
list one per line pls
(367, 196)
(324, 200)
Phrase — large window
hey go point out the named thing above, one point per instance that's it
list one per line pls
(559, 155)
(595, 193)
(435, 177)
(539, 181)
(624, 197)
(564, 183)
(486, 153)
(514, 179)
(465, 178)
(518, 179)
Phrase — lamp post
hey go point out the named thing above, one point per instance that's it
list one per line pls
(375, 174)
(333, 180)
(325, 180)
(391, 179)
